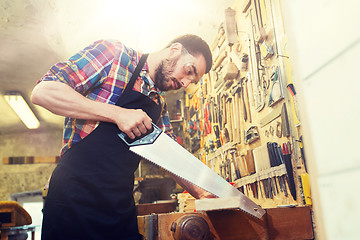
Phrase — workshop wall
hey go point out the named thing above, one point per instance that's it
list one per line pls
(325, 44)
(15, 178)
(242, 119)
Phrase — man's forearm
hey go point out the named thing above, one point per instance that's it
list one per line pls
(194, 190)
(62, 100)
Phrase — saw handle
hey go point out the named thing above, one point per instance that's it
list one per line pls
(147, 138)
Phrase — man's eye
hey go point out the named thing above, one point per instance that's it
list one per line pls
(189, 72)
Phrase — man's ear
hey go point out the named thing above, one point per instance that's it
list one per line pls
(176, 49)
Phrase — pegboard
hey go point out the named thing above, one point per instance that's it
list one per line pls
(242, 115)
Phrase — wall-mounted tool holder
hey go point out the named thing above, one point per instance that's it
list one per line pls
(243, 110)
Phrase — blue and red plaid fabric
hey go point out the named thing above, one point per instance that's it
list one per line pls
(100, 72)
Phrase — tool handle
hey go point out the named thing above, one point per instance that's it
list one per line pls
(147, 138)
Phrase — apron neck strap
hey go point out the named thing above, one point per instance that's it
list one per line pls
(135, 75)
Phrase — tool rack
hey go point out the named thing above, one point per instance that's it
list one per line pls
(241, 119)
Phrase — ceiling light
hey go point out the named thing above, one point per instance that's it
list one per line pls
(22, 109)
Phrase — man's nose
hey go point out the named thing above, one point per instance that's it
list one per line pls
(185, 82)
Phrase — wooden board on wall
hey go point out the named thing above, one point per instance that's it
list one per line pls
(31, 159)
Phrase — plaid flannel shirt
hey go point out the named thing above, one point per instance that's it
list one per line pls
(100, 72)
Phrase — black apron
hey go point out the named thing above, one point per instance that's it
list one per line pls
(91, 190)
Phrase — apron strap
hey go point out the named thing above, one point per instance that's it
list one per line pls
(135, 75)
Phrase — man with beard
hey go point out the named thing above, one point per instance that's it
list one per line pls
(102, 90)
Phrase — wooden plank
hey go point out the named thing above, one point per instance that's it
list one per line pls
(250, 161)
(275, 113)
(237, 225)
(290, 223)
(149, 208)
(46, 159)
(217, 203)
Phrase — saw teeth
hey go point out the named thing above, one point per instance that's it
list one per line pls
(248, 206)
(255, 209)
(174, 173)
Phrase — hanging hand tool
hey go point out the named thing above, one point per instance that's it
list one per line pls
(229, 117)
(254, 62)
(289, 170)
(267, 51)
(242, 80)
(241, 60)
(276, 93)
(187, 106)
(230, 71)
(244, 171)
(207, 119)
(246, 92)
(219, 111)
(223, 107)
(251, 135)
(278, 129)
(270, 188)
(221, 167)
(261, 158)
(292, 91)
(231, 26)
(253, 187)
(302, 152)
(285, 121)
(306, 188)
(235, 128)
(275, 113)
(278, 154)
(215, 124)
(219, 60)
(276, 186)
(236, 163)
(249, 157)
(229, 169)
(237, 112)
(220, 34)
(283, 183)
(271, 154)
(224, 166)
(258, 182)
(217, 135)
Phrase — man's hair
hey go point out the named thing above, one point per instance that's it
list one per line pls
(195, 45)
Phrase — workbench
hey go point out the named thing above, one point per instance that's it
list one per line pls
(281, 223)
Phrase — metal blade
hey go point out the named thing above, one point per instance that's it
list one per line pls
(171, 156)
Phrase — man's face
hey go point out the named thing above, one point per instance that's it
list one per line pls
(179, 70)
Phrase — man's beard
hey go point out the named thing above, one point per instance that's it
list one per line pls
(164, 75)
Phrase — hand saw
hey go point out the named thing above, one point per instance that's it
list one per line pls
(160, 149)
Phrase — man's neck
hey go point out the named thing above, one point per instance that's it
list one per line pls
(154, 59)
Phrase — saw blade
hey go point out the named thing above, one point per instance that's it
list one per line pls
(171, 156)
